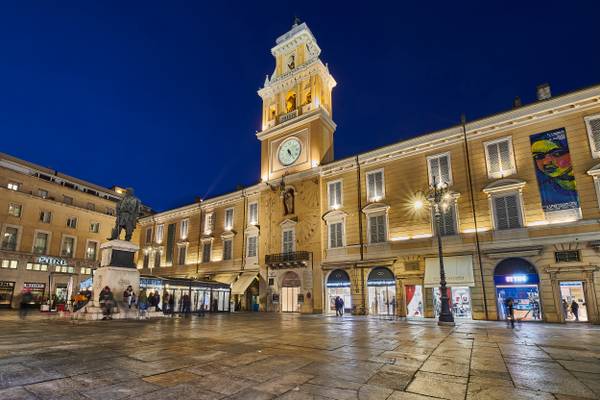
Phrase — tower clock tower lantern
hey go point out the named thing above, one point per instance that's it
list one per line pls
(297, 126)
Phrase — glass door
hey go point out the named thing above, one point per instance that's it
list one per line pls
(573, 302)
(382, 300)
(289, 299)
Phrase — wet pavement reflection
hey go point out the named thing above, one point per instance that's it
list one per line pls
(268, 356)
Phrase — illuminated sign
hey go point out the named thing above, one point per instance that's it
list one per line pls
(516, 278)
(51, 260)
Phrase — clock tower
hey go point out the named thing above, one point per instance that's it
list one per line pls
(297, 126)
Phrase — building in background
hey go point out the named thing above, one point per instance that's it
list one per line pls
(360, 228)
(52, 226)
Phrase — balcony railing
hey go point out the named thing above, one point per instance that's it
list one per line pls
(292, 259)
(288, 116)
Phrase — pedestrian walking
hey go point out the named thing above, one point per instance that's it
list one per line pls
(186, 304)
(166, 303)
(575, 310)
(565, 309)
(172, 305)
(26, 299)
(107, 302)
(510, 312)
(157, 300)
(341, 307)
(142, 305)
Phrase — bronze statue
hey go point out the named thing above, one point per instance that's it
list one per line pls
(288, 201)
(128, 211)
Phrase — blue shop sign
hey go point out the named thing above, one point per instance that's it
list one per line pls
(150, 283)
(517, 279)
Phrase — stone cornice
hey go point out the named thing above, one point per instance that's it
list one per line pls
(181, 212)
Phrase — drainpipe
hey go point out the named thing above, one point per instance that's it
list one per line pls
(244, 226)
(199, 239)
(360, 233)
(463, 121)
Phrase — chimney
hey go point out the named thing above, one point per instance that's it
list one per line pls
(543, 91)
(517, 102)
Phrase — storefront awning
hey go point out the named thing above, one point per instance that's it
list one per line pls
(225, 278)
(245, 280)
(459, 271)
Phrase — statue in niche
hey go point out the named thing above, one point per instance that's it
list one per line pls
(308, 97)
(291, 62)
(128, 212)
(290, 104)
(288, 201)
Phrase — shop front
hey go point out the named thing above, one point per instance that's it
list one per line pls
(7, 291)
(382, 292)
(517, 279)
(338, 285)
(459, 281)
(574, 305)
(291, 298)
(246, 291)
(37, 290)
(414, 301)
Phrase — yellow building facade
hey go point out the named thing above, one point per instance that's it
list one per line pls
(52, 226)
(519, 221)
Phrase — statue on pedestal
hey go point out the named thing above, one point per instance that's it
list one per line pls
(128, 212)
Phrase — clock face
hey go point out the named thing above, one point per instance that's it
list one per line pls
(289, 151)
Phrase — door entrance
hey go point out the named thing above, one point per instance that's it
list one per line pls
(382, 292)
(289, 299)
(572, 295)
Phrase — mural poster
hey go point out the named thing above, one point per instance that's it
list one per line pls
(554, 170)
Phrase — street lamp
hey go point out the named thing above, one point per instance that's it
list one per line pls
(438, 197)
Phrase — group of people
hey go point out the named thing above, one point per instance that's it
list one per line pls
(143, 301)
(573, 309)
(339, 306)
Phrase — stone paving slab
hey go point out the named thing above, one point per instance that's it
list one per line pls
(295, 357)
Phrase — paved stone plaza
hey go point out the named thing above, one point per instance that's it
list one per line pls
(266, 356)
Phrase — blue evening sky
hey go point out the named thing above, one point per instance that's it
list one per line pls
(161, 95)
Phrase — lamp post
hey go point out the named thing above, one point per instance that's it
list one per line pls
(438, 197)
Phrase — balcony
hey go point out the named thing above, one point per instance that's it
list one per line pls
(286, 117)
(294, 259)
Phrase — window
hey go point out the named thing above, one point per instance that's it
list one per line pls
(13, 186)
(45, 217)
(9, 238)
(43, 193)
(375, 186)
(227, 249)
(567, 256)
(148, 235)
(251, 247)
(40, 243)
(91, 250)
(68, 247)
(377, 229)
(229, 219)
(10, 264)
(15, 210)
(334, 190)
(159, 233)
(507, 213)
(85, 271)
(447, 220)
(336, 235)
(209, 222)
(110, 211)
(68, 200)
(182, 255)
(91, 206)
(95, 227)
(499, 158)
(170, 242)
(146, 259)
(64, 269)
(206, 247)
(157, 256)
(72, 222)
(183, 229)
(253, 213)
(593, 128)
(288, 241)
(439, 169)
(36, 267)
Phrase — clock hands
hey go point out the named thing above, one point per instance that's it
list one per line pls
(289, 152)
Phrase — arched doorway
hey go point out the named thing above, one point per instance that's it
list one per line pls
(382, 292)
(338, 284)
(290, 289)
(517, 279)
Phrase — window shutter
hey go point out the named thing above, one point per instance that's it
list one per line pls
(339, 235)
(371, 183)
(501, 215)
(493, 158)
(338, 193)
(594, 126)
(434, 168)
(505, 158)
(512, 211)
(444, 169)
(447, 221)
(379, 184)
(331, 195)
(373, 229)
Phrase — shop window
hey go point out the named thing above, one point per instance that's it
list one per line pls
(15, 210)
(375, 186)
(227, 249)
(95, 227)
(253, 213)
(9, 264)
(334, 190)
(10, 238)
(439, 169)
(13, 186)
(499, 158)
(72, 222)
(45, 217)
(507, 211)
(567, 256)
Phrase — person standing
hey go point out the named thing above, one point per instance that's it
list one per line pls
(575, 310)
(107, 301)
(336, 302)
(565, 308)
(341, 306)
(157, 300)
(166, 303)
(172, 305)
(186, 304)
(510, 312)
(26, 299)
(143, 304)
